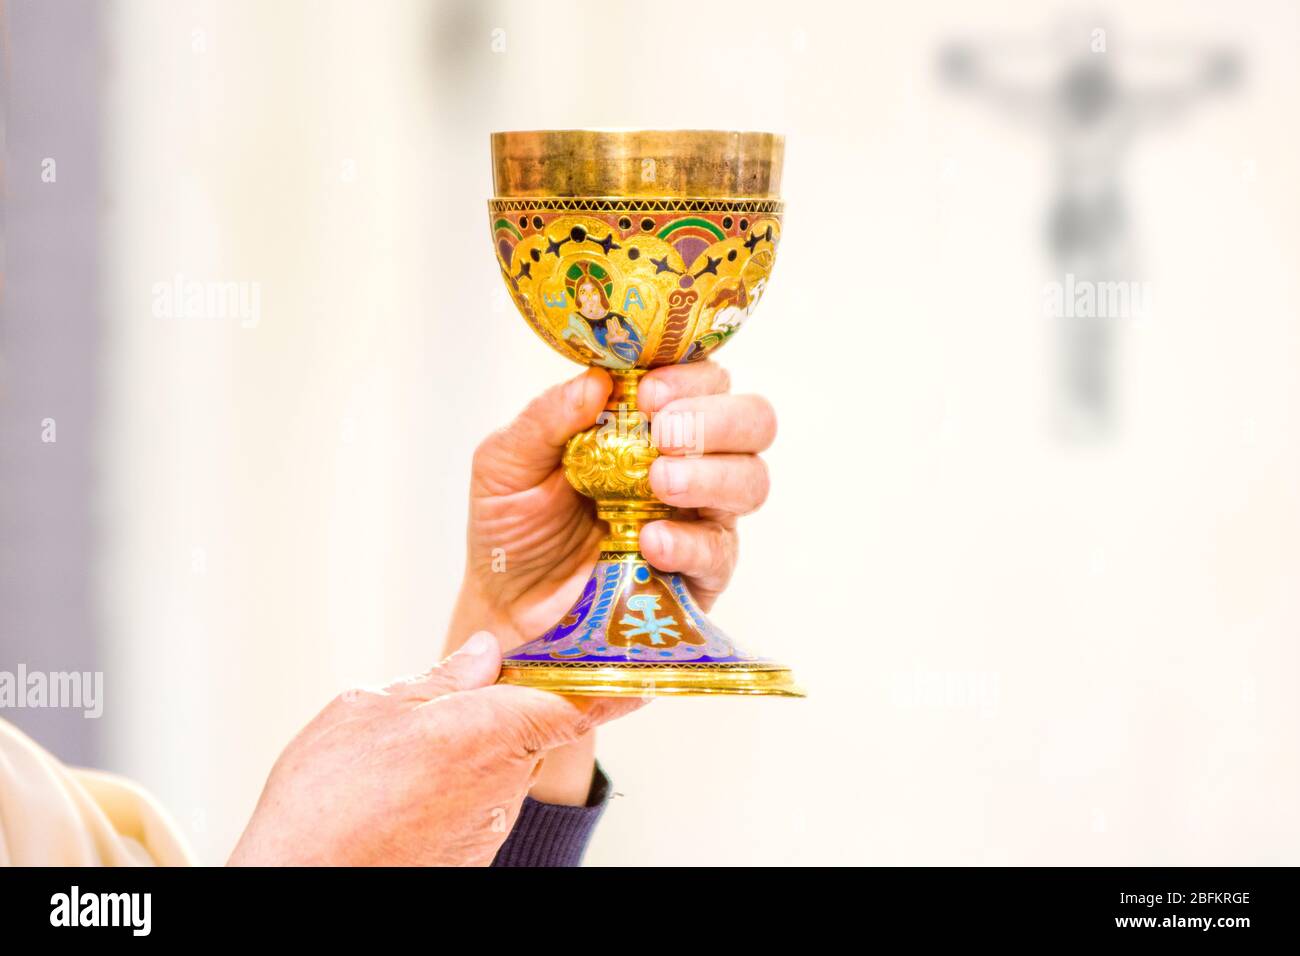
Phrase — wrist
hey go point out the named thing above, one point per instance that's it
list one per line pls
(566, 774)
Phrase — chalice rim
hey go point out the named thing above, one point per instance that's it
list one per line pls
(637, 162)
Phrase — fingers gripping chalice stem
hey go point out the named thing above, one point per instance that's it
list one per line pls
(610, 462)
(631, 251)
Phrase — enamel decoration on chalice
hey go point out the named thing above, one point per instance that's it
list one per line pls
(631, 250)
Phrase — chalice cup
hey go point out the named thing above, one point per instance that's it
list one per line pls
(631, 250)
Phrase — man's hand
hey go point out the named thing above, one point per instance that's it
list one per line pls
(429, 771)
(523, 510)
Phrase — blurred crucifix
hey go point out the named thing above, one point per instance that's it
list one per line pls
(1090, 103)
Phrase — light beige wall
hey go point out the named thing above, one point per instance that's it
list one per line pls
(1017, 650)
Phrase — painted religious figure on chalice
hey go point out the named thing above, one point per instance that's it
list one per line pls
(609, 336)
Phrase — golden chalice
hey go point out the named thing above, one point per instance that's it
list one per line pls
(633, 250)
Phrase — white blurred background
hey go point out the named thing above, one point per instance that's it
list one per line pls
(1020, 646)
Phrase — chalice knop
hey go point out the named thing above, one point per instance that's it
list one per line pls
(632, 250)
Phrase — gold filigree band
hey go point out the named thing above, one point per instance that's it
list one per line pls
(752, 207)
(640, 679)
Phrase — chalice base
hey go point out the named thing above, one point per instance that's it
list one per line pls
(636, 632)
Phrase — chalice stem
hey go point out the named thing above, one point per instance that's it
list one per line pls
(627, 503)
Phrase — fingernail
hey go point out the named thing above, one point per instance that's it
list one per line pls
(479, 644)
(645, 394)
(575, 393)
(665, 428)
(679, 430)
(663, 541)
(674, 476)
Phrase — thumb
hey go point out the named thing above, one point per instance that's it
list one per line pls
(532, 721)
(520, 455)
(475, 664)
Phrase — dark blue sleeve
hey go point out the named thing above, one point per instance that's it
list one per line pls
(549, 835)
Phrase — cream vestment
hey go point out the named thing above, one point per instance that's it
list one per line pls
(52, 815)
